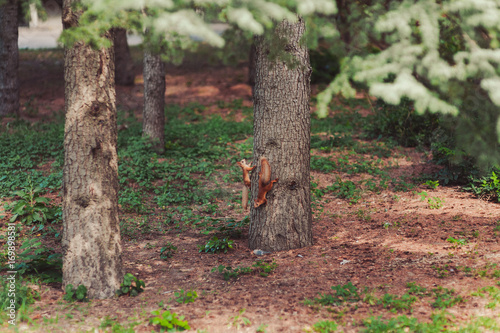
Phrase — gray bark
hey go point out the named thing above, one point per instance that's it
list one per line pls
(153, 125)
(282, 134)
(124, 65)
(9, 55)
(91, 233)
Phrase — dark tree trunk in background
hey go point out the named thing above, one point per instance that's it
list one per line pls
(282, 134)
(153, 125)
(9, 59)
(251, 68)
(124, 65)
(91, 235)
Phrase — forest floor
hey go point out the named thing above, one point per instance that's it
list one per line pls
(402, 252)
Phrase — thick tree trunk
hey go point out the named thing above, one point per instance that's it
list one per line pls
(124, 66)
(91, 235)
(9, 55)
(282, 135)
(153, 124)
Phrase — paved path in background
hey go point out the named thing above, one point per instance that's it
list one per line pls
(45, 35)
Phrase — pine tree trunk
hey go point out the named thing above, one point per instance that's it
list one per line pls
(282, 135)
(91, 233)
(124, 66)
(153, 124)
(9, 55)
(251, 68)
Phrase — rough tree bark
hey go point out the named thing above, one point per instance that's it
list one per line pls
(9, 55)
(153, 123)
(282, 134)
(91, 233)
(124, 66)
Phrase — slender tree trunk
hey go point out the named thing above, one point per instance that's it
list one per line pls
(124, 66)
(153, 124)
(91, 235)
(251, 68)
(9, 59)
(282, 134)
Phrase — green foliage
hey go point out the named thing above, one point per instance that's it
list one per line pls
(169, 321)
(131, 286)
(215, 245)
(265, 268)
(395, 303)
(325, 326)
(435, 202)
(487, 187)
(19, 291)
(32, 208)
(116, 327)
(185, 297)
(260, 266)
(345, 190)
(73, 294)
(432, 184)
(342, 294)
(168, 251)
(231, 273)
(405, 324)
(238, 321)
(444, 298)
(401, 123)
(494, 294)
(39, 260)
(456, 242)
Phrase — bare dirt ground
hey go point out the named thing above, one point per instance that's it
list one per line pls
(383, 242)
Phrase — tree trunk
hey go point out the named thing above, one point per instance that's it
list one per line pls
(251, 68)
(282, 135)
(9, 55)
(124, 66)
(153, 123)
(91, 235)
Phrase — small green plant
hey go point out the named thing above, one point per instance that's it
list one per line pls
(423, 195)
(415, 289)
(168, 251)
(456, 243)
(31, 207)
(325, 326)
(238, 321)
(432, 184)
(231, 273)
(395, 303)
(493, 292)
(131, 286)
(215, 245)
(37, 259)
(435, 202)
(22, 299)
(441, 271)
(78, 294)
(487, 187)
(444, 298)
(169, 321)
(261, 328)
(342, 294)
(345, 190)
(264, 268)
(185, 297)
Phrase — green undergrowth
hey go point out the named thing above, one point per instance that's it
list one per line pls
(348, 298)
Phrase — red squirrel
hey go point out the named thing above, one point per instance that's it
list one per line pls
(265, 182)
(246, 179)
